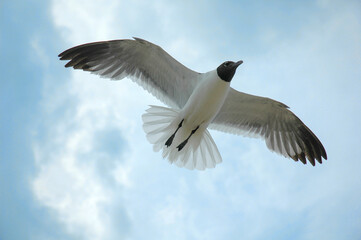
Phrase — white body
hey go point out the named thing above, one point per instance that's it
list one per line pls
(205, 101)
(200, 151)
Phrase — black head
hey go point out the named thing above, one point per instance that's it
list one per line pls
(227, 70)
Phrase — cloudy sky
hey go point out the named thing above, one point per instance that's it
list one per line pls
(74, 160)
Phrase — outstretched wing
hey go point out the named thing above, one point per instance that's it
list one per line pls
(283, 131)
(145, 63)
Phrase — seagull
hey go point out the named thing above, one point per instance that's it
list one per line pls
(196, 102)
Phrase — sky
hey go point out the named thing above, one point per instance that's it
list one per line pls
(75, 162)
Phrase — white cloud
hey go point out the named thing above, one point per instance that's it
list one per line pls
(79, 21)
(134, 193)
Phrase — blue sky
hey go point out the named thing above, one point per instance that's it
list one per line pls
(74, 160)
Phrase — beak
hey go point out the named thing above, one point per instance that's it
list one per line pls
(238, 63)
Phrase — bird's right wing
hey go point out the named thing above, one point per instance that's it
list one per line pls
(145, 63)
(283, 131)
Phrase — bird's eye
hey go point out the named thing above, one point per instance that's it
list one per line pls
(226, 64)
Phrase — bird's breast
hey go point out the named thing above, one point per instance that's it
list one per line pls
(205, 101)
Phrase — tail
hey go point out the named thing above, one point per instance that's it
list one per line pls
(200, 152)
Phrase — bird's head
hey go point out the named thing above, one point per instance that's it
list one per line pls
(227, 70)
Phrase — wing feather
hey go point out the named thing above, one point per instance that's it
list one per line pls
(145, 63)
(282, 130)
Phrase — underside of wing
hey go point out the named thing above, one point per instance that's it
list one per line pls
(145, 63)
(282, 130)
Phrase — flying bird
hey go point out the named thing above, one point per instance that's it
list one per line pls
(196, 102)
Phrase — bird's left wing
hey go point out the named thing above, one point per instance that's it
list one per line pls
(283, 131)
(144, 62)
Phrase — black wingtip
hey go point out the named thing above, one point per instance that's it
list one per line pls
(302, 158)
(311, 146)
(64, 55)
(60, 56)
(324, 154)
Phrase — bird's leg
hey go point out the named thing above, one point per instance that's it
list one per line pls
(170, 139)
(180, 146)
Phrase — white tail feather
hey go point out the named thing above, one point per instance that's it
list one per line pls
(200, 152)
